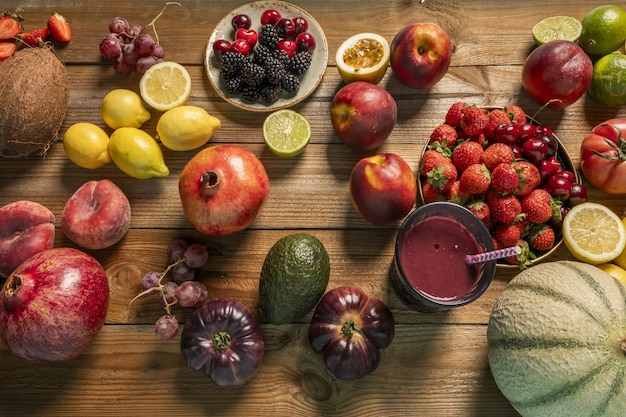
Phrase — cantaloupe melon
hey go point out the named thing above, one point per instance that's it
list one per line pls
(557, 341)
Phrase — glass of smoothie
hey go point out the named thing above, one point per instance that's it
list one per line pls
(430, 270)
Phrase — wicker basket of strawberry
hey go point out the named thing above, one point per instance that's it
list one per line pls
(509, 170)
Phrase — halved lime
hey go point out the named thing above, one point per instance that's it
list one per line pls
(286, 132)
(557, 28)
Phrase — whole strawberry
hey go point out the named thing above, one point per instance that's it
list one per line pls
(507, 234)
(541, 237)
(537, 205)
(442, 177)
(444, 135)
(503, 208)
(455, 113)
(524, 258)
(474, 121)
(476, 179)
(466, 154)
(516, 114)
(498, 153)
(432, 159)
(504, 178)
(480, 210)
(529, 177)
(430, 195)
(496, 118)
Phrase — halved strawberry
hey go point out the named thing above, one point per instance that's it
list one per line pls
(59, 28)
(7, 49)
(34, 37)
(10, 25)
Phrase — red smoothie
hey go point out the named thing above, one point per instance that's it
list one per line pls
(433, 258)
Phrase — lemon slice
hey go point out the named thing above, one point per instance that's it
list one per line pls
(165, 85)
(557, 28)
(593, 233)
(286, 132)
(363, 57)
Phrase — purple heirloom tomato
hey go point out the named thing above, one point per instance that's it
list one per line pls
(349, 328)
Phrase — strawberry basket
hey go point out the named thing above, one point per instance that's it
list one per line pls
(513, 211)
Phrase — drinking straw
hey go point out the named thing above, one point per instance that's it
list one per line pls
(493, 255)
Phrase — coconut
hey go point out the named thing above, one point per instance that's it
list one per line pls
(35, 97)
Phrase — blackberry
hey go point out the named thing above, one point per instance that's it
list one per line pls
(262, 54)
(250, 92)
(274, 71)
(269, 93)
(283, 56)
(233, 85)
(300, 62)
(252, 74)
(232, 63)
(268, 36)
(291, 83)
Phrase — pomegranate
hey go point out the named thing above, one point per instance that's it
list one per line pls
(222, 189)
(53, 305)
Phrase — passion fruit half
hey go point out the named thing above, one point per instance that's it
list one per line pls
(363, 57)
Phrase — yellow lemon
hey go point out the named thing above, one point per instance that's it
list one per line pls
(87, 145)
(184, 128)
(137, 154)
(123, 108)
(593, 233)
(603, 30)
(614, 271)
(608, 83)
(621, 258)
(363, 57)
(165, 85)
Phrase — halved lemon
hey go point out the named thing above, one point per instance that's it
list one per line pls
(593, 233)
(363, 57)
(165, 85)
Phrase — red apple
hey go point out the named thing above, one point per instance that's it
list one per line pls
(26, 228)
(559, 71)
(421, 54)
(222, 189)
(53, 305)
(363, 115)
(97, 215)
(383, 188)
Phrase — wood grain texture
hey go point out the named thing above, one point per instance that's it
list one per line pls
(437, 364)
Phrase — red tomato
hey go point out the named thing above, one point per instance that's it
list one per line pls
(603, 156)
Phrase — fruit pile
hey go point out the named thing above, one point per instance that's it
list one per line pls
(260, 66)
(13, 35)
(182, 289)
(504, 169)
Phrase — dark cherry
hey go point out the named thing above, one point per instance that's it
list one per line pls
(544, 130)
(241, 21)
(517, 152)
(285, 28)
(577, 195)
(240, 46)
(305, 41)
(568, 175)
(556, 220)
(548, 167)
(220, 47)
(270, 17)
(535, 150)
(507, 134)
(559, 187)
(526, 131)
(553, 145)
(300, 24)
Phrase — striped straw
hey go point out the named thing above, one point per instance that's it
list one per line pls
(493, 255)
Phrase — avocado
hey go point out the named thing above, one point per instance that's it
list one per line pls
(294, 277)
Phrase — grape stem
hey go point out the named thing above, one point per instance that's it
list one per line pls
(160, 287)
(153, 21)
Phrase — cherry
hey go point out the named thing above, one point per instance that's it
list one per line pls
(553, 145)
(548, 167)
(249, 35)
(544, 130)
(285, 28)
(305, 41)
(559, 187)
(270, 17)
(241, 21)
(287, 45)
(577, 195)
(300, 25)
(507, 134)
(568, 175)
(535, 150)
(240, 46)
(526, 131)
(517, 152)
(556, 220)
(220, 47)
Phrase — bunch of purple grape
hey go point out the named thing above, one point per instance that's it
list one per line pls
(130, 47)
(184, 259)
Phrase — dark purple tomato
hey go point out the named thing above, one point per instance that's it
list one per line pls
(535, 150)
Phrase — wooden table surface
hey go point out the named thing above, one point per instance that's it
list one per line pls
(437, 364)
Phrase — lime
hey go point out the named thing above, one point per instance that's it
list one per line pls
(286, 132)
(608, 83)
(593, 233)
(123, 108)
(557, 28)
(604, 30)
(87, 145)
(184, 128)
(137, 154)
(165, 85)
(363, 57)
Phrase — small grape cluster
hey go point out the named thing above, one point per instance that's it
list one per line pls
(130, 47)
(184, 259)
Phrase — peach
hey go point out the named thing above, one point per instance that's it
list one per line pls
(97, 216)
(26, 228)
